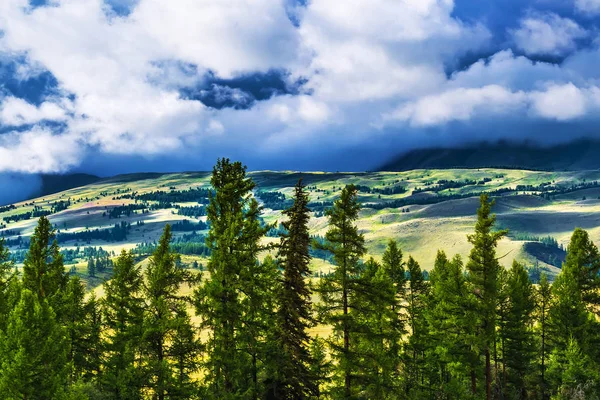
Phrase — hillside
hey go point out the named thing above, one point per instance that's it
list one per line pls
(573, 156)
(425, 210)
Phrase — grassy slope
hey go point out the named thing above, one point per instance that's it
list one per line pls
(421, 232)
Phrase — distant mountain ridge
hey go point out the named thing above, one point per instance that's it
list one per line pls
(578, 155)
(54, 183)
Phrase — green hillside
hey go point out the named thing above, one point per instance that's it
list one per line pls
(425, 210)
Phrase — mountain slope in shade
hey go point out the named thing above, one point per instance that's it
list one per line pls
(573, 156)
(54, 183)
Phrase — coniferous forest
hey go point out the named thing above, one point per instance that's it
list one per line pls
(255, 324)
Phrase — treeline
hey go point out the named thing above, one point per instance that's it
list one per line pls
(199, 195)
(35, 213)
(385, 191)
(473, 330)
(117, 233)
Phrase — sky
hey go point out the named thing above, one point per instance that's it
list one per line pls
(117, 86)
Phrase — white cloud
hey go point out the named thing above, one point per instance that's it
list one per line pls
(547, 34)
(591, 7)
(17, 112)
(38, 150)
(458, 105)
(367, 50)
(559, 102)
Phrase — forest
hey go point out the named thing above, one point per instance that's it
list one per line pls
(255, 323)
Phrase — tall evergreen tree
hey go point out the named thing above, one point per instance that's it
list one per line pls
(33, 352)
(338, 290)
(223, 301)
(294, 314)
(91, 267)
(123, 308)
(165, 317)
(483, 269)
(6, 277)
(320, 368)
(43, 268)
(543, 301)
(376, 334)
(77, 327)
(450, 317)
(393, 265)
(518, 350)
(416, 346)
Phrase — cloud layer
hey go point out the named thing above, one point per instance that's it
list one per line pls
(90, 84)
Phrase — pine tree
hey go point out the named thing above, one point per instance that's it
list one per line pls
(337, 291)
(92, 341)
(123, 317)
(164, 319)
(376, 335)
(233, 240)
(543, 301)
(519, 350)
(483, 269)
(393, 265)
(294, 304)
(6, 277)
(583, 258)
(185, 352)
(416, 346)
(573, 295)
(77, 327)
(575, 372)
(33, 349)
(91, 267)
(320, 368)
(259, 284)
(450, 318)
(43, 268)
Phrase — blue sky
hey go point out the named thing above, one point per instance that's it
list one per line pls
(118, 86)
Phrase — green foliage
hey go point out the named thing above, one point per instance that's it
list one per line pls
(43, 269)
(166, 326)
(122, 310)
(294, 317)
(227, 300)
(483, 270)
(33, 351)
(339, 306)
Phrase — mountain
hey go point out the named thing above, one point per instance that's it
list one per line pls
(573, 156)
(54, 183)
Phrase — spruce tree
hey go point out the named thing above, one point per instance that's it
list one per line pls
(338, 290)
(376, 334)
(91, 267)
(123, 308)
(33, 351)
(320, 368)
(165, 318)
(92, 341)
(43, 268)
(393, 265)
(543, 301)
(519, 350)
(483, 269)
(7, 275)
(294, 314)
(450, 316)
(234, 242)
(414, 354)
(76, 327)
